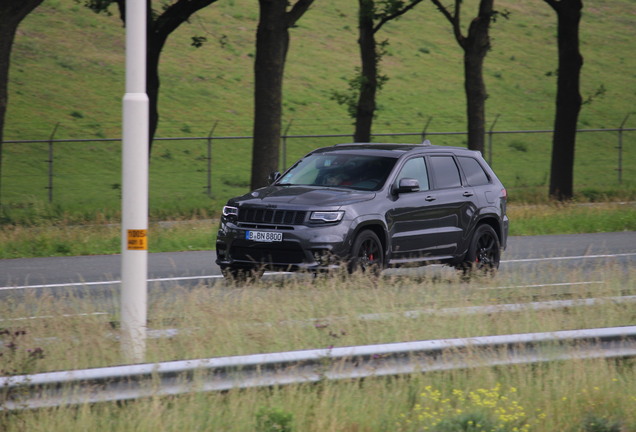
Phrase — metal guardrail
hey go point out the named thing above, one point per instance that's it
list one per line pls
(309, 366)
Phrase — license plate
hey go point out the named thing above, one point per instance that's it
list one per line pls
(264, 236)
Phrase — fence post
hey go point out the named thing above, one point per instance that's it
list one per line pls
(620, 149)
(50, 163)
(285, 145)
(492, 126)
(209, 186)
(428, 122)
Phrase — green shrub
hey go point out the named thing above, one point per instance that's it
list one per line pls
(273, 420)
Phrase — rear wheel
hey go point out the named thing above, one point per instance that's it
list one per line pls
(367, 254)
(483, 254)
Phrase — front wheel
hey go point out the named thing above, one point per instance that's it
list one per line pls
(483, 254)
(367, 254)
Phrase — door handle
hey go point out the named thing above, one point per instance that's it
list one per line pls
(468, 194)
(430, 198)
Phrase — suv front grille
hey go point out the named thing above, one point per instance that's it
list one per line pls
(268, 216)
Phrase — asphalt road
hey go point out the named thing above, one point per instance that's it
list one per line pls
(550, 253)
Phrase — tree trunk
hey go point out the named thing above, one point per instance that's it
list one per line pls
(475, 100)
(568, 100)
(153, 54)
(476, 45)
(158, 29)
(369, 75)
(272, 42)
(12, 12)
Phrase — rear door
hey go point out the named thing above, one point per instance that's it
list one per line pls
(454, 202)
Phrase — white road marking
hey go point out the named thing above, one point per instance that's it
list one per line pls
(183, 278)
(568, 258)
(546, 285)
(53, 316)
(84, 284)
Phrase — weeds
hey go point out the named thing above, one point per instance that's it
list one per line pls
(481, 410)
(15, 359)
(273, 420)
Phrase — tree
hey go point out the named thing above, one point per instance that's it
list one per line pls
(363, 88)
(568, 99)
(159, 26)
(272, 44)
(476, 45)
(12, 12)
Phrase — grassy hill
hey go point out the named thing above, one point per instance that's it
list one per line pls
(68, 70)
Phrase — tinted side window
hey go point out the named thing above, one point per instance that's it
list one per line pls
(446, 172)
(416, 169)
(475, 174)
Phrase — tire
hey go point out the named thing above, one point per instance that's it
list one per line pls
(483, 254)
(367, 254)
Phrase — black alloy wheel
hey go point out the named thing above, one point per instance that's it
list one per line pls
(367, 254)
(484, 253)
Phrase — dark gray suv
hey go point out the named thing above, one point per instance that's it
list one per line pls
(369, 206)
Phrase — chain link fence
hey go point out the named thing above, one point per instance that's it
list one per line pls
(190, 171)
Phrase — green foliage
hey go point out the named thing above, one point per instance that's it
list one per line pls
(594, 423)
(349, 98)
(481, 410)
(98, 6)
(469, 422)
(273, 420)
(198, 41)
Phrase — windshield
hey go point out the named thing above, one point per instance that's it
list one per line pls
(353, 171)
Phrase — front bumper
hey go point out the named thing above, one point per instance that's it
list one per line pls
(303, 247)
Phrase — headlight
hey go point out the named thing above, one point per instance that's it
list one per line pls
(326, 216)
(229, 211)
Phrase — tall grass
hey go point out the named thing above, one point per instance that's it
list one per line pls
(283, 314)
(69, 235)
(302, 313)
(564, 397)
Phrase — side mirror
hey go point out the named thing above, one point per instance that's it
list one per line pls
(407, 185)
(273, 176)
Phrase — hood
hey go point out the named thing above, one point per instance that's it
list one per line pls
(304, 196)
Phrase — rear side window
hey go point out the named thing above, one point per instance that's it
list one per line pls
(475, 174)
(445, 172)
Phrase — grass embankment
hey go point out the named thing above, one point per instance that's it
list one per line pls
(48, 238)
(293, 314)
(67, 68)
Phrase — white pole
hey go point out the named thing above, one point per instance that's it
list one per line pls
(134, 278)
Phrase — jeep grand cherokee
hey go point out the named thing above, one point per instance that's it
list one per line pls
(369, 206)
